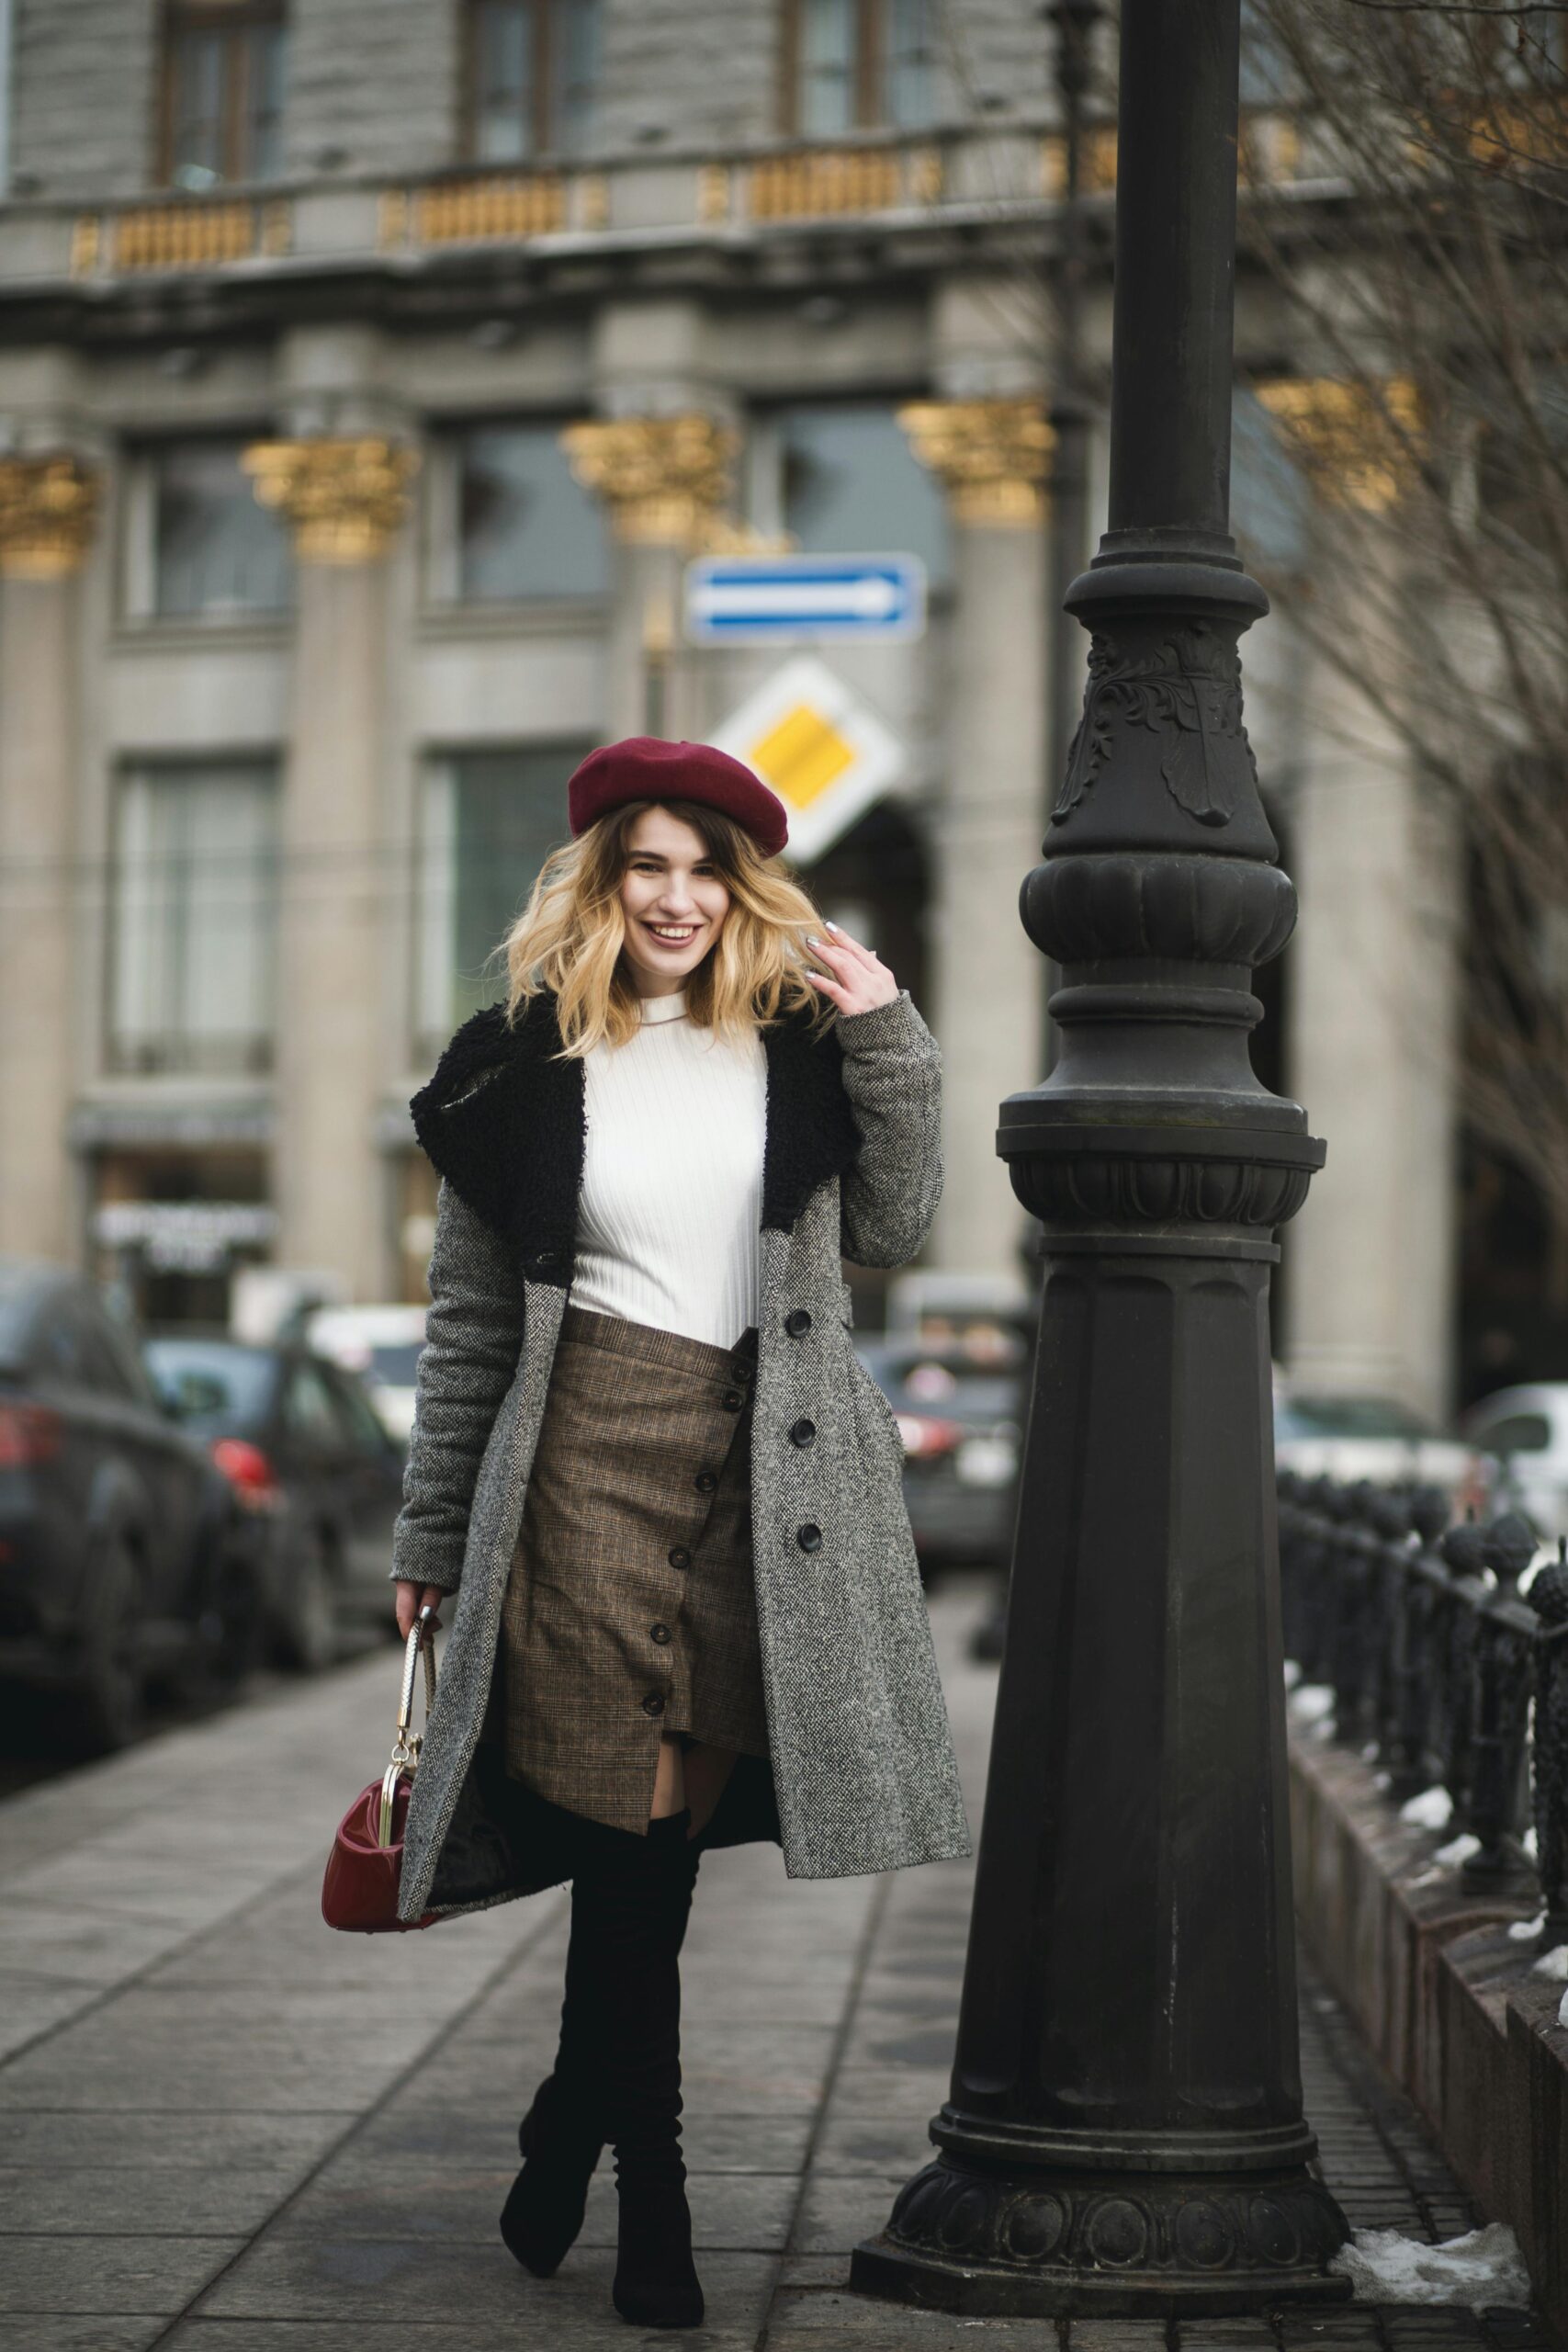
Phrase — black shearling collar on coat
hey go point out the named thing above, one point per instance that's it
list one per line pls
(503, 1121)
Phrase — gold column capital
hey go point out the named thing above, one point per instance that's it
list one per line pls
(665, 479)
(49, 505)
(993, 455)
(1355, 439)
(344, 499)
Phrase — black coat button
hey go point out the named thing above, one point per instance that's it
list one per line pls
(660, 1633)
(707, 1480)
(732, 1400)
(653, 1704)
(680, 1557)
(804, 1432)
(808, 1537)
(797, 1322)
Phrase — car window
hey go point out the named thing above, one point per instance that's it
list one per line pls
(101, 1369)
(1517, 1434)
(1349, 1417)
(358, 1415)
(57, 1346)
(218, 1387)
(309, 1409)
(125, 1366)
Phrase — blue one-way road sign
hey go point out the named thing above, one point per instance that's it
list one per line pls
(784, 599)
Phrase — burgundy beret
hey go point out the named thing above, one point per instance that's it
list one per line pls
(645, 768)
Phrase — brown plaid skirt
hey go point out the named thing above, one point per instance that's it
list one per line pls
(629, 1609)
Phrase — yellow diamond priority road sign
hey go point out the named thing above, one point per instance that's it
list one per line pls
(824, 751)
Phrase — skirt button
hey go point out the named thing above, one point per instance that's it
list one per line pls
(808, 1537)
(653, 1704)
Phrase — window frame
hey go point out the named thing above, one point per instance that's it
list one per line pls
(547, 143)
(232, 20)
(871, 75)
(138, 579)
(116, 1060)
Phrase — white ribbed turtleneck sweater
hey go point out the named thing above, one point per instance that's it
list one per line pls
(672, 1193)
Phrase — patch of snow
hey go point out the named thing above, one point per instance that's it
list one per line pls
(1524, 1931)
(1381, 1781)
(1554, 1963)
(1562, 2010)
(1427, 1878)
(1310, 1700)
(1458, 1849)
(1433, 1809)
(1370, 1753)
(1479, 2270)
(1528, 1843)
(1292, 1673)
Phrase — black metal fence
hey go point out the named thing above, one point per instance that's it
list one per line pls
(1439, 1666)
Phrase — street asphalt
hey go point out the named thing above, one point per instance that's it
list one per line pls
(225, 2129)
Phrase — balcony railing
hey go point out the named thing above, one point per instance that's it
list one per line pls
(942, 174)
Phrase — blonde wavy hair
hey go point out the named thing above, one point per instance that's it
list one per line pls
(569, 935)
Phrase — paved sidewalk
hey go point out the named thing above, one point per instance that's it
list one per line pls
(223, 2129)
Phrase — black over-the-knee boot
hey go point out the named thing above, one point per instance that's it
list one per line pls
(561, 2137)
(636, 1904)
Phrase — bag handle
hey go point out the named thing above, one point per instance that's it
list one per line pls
(407, 1744)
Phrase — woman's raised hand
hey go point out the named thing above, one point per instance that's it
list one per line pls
(856, 980)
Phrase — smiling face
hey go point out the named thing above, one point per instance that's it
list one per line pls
(673, 901)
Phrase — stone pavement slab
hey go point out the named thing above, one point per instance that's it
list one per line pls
(225, 2129)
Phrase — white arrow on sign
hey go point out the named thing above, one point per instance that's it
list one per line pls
(871, 597)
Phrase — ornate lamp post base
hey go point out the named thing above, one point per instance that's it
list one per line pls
(1051, 2244)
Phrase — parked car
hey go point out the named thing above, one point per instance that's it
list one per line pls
(1523, 1435)
(1348, 1437)
(124, 1561)
(308, 1456)
(381, 1344)
(959, 1407)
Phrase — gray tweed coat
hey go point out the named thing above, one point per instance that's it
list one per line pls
(862, 1774)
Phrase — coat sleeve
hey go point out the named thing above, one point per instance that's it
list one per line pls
(892, 1073)
(473, 1334)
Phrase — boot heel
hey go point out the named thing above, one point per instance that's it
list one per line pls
(656, 2282)
(543, 2209)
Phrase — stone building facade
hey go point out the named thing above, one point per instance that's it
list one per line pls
(369, 375)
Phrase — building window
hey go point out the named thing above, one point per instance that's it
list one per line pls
(488, 821)
(224, 66)
(194, 912)
(857, 64)
(533, 77)
(206, 549)
(525, 527)
(849, 483)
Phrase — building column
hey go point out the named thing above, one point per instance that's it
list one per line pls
(992, 455)
(666, 481)
(346, 498)
(1374, 996)
(48, 505)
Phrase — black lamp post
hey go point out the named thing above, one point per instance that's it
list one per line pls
(1124, 2132)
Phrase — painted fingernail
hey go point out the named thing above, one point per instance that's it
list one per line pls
(812, 940)
(833, 926)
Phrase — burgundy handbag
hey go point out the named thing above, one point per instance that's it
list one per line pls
(360, 1892)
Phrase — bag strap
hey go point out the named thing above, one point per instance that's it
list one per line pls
(406, 1743)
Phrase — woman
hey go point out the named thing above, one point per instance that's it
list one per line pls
(688, 1611)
